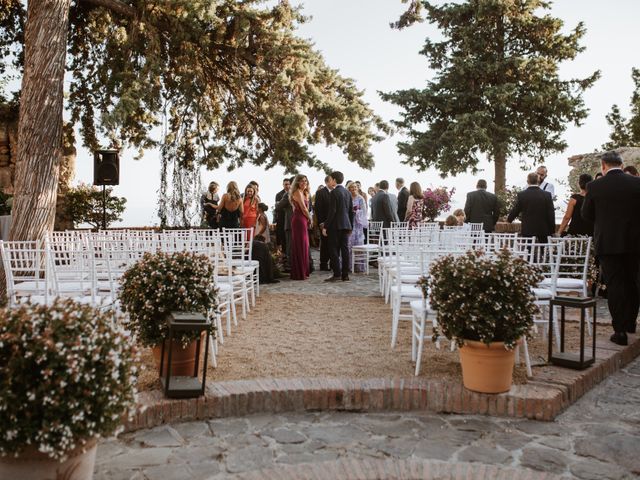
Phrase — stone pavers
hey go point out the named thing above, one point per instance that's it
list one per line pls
(596, 438)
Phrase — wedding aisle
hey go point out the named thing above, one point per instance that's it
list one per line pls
(317, 329)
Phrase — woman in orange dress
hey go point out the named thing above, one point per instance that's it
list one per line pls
(250, 207)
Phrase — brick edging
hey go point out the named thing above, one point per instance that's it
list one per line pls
(551, 391)
(400, 469)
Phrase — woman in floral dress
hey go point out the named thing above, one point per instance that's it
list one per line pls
(359, 223)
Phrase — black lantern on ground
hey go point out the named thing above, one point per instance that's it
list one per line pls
(568, 359)
(182, 386)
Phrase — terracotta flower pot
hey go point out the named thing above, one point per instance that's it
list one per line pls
(183, 359)
(35, 465)
(486, 368)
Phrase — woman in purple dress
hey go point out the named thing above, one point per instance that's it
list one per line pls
(359, 224)
(300, 221)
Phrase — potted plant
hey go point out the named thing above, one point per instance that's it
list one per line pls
(484, 304)
(160, 283)
(66, 379)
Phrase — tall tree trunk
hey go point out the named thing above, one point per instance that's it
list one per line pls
(40, 124)
(500, 165)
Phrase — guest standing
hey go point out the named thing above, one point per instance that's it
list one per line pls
(459, 215)
(573, 215)
(338, 227)
(285, 208)
(262, 224)
(415, 205)
(612, 203)
(403, 197)
(482, 207)
(382, 207)
(230, 207)
(250, 207)
(535, 208)
(545, 186)
(321, 209)
(279, 215)
(300, 221)
(209, 203)
(359, 223)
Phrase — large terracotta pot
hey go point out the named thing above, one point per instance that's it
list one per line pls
(183, 359)
(35, 465)
(486, 368)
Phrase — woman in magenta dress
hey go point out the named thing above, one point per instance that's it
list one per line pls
(300, 221)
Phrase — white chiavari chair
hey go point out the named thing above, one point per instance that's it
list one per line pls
(370, 250)
(25, 271)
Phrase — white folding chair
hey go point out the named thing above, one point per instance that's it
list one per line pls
(370, 251)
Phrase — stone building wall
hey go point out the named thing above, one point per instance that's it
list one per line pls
(590, 163)
(8, 155)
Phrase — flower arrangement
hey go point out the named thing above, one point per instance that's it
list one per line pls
(436, 201)
(66, 376)
(481, 298)
(160, 283)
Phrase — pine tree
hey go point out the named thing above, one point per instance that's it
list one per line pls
(625, 133)
(496, 91)
(226, 82)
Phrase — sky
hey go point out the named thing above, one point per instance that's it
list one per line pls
(354, 37)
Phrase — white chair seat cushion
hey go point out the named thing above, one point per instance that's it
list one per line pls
(410, 278)
(29, 286)
(369, 247)
(542, 293)
(407, 291)
(246, 263)
(564, 283)
(417, 307)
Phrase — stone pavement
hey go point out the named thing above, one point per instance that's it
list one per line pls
(596, 438)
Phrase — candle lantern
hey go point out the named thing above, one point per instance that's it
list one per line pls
(185, 386)
(563, 358)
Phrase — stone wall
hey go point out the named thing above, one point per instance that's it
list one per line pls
(590, 163)
(8, 155)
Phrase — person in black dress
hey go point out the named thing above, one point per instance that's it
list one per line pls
(230, 207)
(573, 215)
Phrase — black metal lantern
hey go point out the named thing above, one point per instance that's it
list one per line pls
(568, 359)
(182, 386)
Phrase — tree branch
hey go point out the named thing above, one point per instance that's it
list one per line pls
(115, 6)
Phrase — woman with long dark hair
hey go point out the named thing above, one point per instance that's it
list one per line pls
(300, 221)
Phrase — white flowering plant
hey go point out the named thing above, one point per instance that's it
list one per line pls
(160, 283)
(67, 375)
(483, 298)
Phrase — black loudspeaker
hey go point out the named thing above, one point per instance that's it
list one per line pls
(106, 167)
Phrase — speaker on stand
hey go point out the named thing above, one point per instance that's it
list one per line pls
(106, 171)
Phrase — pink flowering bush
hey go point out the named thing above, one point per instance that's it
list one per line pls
(67, 375)
(160, 283)
(483, 298)
(436, 201)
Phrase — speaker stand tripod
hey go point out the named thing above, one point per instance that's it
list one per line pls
(104, 207)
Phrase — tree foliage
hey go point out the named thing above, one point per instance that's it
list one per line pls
(625, 132)
(209, 82)
(84, 206)
(496, 90)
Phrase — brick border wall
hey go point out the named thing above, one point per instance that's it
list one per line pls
(365, 469)
(551, 391)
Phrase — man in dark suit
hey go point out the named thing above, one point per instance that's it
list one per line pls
(279, 215)
(612, 203)
(535, 208)
(482, 207)
(381, 208)
(321, 208)
(403, 198)
(284, 210)
(338, 227)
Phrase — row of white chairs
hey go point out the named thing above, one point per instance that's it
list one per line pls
(88, 266)
(406, 255)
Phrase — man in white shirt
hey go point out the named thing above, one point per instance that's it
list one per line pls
(542, 181)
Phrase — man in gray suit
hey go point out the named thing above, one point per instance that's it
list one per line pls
(382, 208)
(482, 207)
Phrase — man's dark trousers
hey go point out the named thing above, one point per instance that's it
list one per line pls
(339, 252)
(620, 275)
(325, 256)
